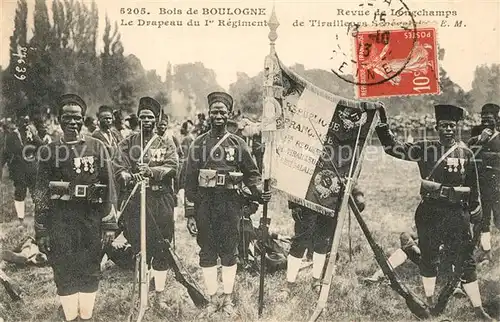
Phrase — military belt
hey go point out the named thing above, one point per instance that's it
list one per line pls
(437, 191)
(209, 178)
(65, 191)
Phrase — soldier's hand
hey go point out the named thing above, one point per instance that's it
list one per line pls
(125, 177)
(266, 196)
(191, 226)
(359, 200)
(285, 239)
(297, 213)
(145, 170)
(383, 114)
(43, 244)
(485, 135)
(108, 236)
(137, 177)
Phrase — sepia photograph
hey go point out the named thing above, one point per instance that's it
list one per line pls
(333, 160)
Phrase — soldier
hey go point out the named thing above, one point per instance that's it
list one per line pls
(90, 125)
(486, 148)
(133, 123)
(20, 153)
(318, 228)
(105, 132)
(450, 199)
(43, 130)
(75, 209)
(160, 162)
(217, 163)
(119, 125)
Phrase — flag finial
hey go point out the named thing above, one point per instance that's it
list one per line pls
(273, 26)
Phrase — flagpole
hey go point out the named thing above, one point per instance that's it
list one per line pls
(272, 91)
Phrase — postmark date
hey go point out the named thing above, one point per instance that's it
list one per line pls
(133, 11)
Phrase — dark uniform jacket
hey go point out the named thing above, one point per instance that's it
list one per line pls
(458, 169)
(233, 154)
(110, 139)
(20, 152)
(488, 165)
(85, 163)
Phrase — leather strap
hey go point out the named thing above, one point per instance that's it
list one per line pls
(148, 146)
(441, 159)
(216, 146)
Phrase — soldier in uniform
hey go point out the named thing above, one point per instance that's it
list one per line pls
(450, 199)
(159, 167)
(90, 125)
(105, 132)
(20, 152)
(311, 227)
(75, 209)
(217, 163)
(486, 147)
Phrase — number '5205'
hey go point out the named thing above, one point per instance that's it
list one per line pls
(133, 11)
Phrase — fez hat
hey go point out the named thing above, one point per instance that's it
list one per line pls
(490, 108)
(449, 112)
(104, 108)
(222, 97)
(74, 99)
(148, 103)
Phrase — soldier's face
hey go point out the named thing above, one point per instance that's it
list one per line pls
(162, 127)
(71, 119)
(218, 114)
(105, 120)
(148, 120)
(24, 121)
(447, 129)
(488, 121)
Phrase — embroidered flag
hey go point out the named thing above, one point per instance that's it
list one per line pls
(319, 128)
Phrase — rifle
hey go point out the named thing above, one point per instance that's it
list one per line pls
(264, 230)
(141, 266)
(11, 287)
(415, 304)
(449, 288)
(194, 292)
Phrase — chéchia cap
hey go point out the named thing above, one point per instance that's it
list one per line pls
(449, 112)
(71, 99)
(104, 108)
(490, 108)
(222, 97)
(148, 103)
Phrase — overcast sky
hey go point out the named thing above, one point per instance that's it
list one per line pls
(229, 50)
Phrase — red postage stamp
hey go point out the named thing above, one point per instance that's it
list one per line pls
(396, 62)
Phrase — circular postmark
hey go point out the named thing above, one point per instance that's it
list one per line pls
(373, 48)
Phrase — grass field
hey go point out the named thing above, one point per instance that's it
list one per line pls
(391, 190)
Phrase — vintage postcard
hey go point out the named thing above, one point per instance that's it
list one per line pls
(247, 160)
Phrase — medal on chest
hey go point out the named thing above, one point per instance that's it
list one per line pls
(455, 165)
(85, 164)
(77, 162)
(158, 155)
(230, 153)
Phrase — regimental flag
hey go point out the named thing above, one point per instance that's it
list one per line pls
(320, 128)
